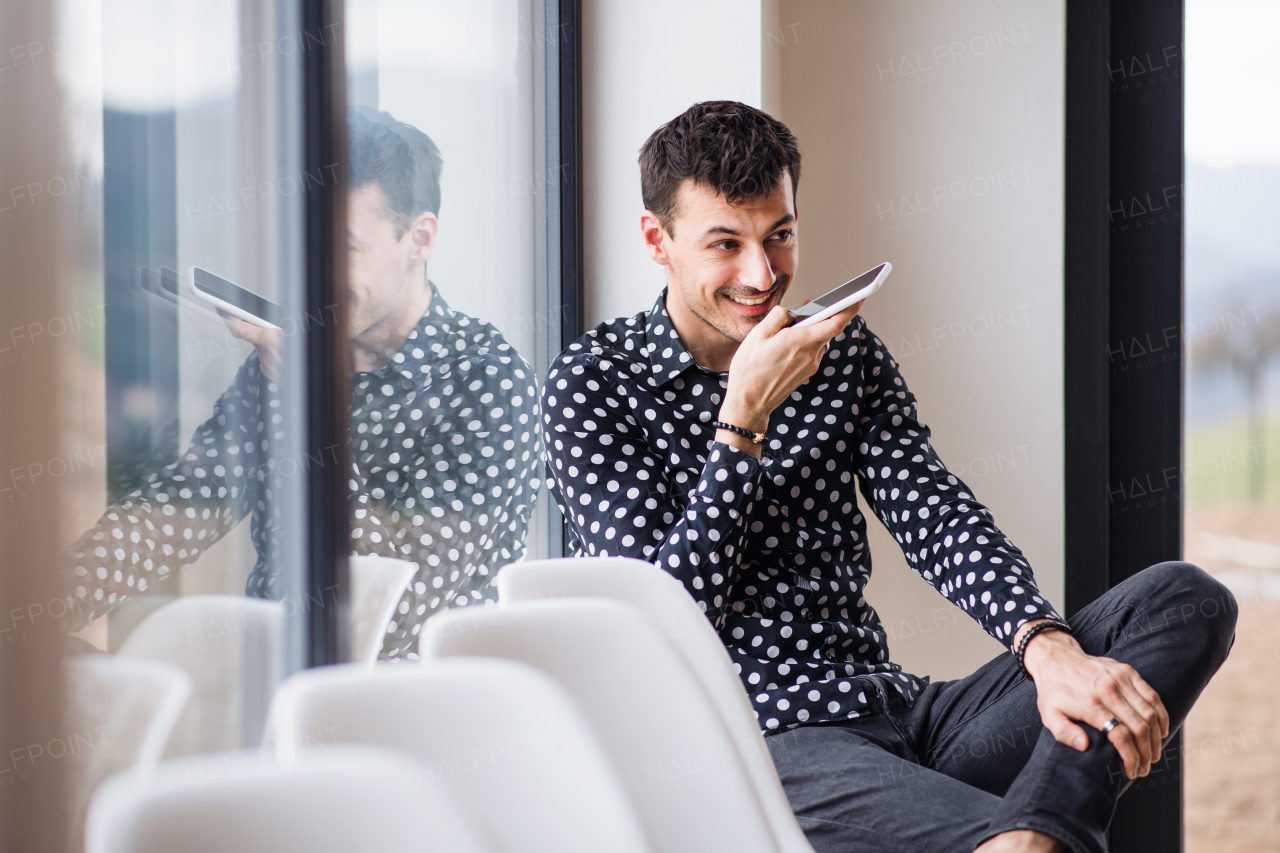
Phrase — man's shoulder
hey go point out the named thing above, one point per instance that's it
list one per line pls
(617, 346)
(461, 343)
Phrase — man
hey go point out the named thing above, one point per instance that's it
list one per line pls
(707, 436)
(443, 425)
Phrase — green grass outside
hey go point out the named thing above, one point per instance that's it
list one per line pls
(1218, 462)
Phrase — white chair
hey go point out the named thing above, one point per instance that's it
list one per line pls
(377, 585)
(232, 648)
(673, 613)
(684, 773)
(502, 737)
(335, 801)
(119, 713)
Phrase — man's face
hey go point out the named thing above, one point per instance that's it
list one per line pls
(729, 264)
(384, 262)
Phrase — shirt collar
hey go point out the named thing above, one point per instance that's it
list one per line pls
(437, 334)
(667, 355)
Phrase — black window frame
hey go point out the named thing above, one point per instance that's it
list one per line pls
(1123, 304)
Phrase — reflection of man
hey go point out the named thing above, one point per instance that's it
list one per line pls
(443, 424)
(709, 437)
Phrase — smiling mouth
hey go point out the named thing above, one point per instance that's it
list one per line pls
(742, 300)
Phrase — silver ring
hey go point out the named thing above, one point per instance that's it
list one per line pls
(1109, 725)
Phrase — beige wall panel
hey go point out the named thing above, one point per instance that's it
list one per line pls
(932, 137)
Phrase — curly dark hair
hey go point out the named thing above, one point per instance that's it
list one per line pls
(737, 150)
(400, 158)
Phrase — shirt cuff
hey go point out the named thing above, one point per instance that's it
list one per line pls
(729, 478)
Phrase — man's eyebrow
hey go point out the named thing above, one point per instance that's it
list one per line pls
(725, 229)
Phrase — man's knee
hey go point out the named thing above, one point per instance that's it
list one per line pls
(1198, 600)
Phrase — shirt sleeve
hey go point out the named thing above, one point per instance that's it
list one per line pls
(619, 500)
(948, 537)
(176, 513)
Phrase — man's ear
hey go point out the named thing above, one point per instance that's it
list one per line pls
(422, 236)
(655, 237)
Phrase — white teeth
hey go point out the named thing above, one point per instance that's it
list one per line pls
(756, 301)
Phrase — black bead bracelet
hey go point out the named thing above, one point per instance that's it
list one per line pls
(1039, 628)
(756, 437)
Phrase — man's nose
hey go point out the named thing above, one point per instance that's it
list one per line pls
(755, 269)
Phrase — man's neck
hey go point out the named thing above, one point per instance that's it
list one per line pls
(376, 345)
(708, 347)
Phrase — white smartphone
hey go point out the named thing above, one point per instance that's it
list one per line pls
(835, 301)
(235, 300)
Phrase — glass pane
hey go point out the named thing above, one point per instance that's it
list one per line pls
(1232, 450)
(444, 208)
(184, 517)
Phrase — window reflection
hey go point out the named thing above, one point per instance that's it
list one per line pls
(443, 424)
(443, 420)
(188, 533)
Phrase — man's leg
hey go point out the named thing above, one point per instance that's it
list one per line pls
(857, 786)
(1173, 623)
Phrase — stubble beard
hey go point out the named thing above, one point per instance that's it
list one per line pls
(719, 322)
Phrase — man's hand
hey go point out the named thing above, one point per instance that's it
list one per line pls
(771, 362)
(1072, 685)
(268, 343)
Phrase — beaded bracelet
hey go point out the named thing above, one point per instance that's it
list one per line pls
(756, 437)
(1040, 627)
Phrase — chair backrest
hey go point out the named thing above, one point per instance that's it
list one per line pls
(231, 647)
(120, 713)
(683, 771)
(377, 585)
(674, 613)
(334, 801)
(502, 737)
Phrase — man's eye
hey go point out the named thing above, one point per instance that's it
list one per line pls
(780, 236)
(724, 244)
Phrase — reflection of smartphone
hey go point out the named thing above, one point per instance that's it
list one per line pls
(835, 301)
(149, 280)
(235, 300)
(162, 285)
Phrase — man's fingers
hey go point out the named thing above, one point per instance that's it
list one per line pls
(1148, 712)
(774, 321)
(1065, 731)
(1127, 745)
(834, 324)
(1139, 719)
(1124, 736)
(1150, 722)
(1152, 698)
(242, 329)
(823, 331)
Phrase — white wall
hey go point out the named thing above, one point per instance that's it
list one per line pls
(463, 74)
(643, 64)
(895, 162)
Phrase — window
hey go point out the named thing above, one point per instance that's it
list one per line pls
(179, 364)
(450, 192)
(1231, 459)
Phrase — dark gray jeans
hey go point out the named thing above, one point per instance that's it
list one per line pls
(971, 759)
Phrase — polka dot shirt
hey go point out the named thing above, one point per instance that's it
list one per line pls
(775, 551)
(445, 459)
